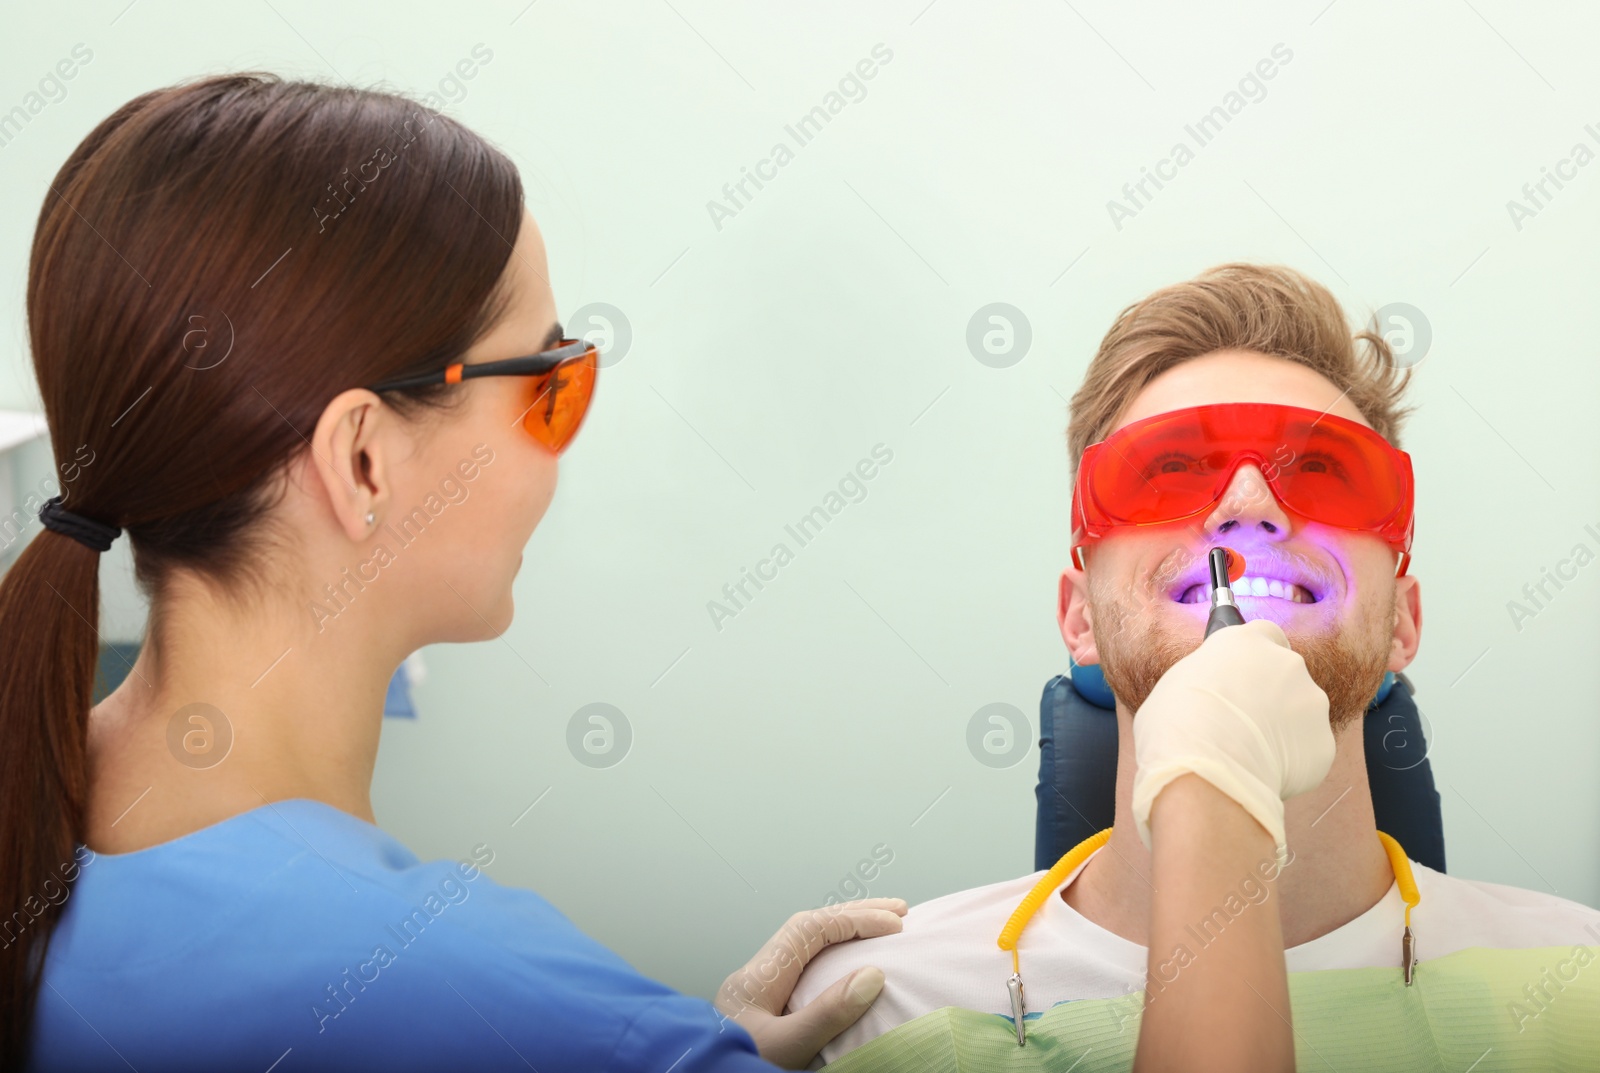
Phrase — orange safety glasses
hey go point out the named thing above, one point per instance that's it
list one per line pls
(560, 387)
(1175, 467)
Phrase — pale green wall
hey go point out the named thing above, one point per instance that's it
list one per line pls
(768, 357)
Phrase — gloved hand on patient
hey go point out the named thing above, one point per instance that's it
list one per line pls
(755, 995)
(1243, 713)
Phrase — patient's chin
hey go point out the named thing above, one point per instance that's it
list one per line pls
(1349, 674)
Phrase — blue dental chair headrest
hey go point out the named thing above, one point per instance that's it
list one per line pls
(1078, 767)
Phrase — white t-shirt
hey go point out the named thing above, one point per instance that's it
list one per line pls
(946, 954)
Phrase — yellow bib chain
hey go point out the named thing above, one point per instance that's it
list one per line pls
(1011, 934)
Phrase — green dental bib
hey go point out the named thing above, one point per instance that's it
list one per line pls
(1480, 1009)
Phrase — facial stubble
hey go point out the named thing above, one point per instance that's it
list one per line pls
(1348, 666)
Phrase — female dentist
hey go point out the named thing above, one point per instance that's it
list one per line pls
(271, 321)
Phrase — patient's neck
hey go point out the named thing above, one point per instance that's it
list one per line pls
(1338, 869)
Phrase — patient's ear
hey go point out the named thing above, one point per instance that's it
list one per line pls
(1072, 614)
(1407, 622)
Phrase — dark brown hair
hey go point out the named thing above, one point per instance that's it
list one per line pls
(1269, 309)
(328, 237)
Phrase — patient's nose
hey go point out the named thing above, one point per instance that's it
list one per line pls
(1248, 506)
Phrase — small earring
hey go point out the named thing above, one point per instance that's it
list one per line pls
(371, 517)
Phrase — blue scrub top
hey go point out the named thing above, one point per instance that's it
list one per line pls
(297, 937)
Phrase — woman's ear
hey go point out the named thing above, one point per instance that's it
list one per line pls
(350, 461)
(1072, 614)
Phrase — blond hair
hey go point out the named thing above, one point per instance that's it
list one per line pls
(1270, 309)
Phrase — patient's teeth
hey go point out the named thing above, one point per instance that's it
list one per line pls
(1261, 586)
(1277, 588)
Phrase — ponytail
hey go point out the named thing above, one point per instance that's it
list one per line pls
(49, 611)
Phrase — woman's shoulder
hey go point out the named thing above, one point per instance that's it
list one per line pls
(297, 925)
(296, 875)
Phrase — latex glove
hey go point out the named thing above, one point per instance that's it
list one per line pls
(1242, 712)
(755, 995)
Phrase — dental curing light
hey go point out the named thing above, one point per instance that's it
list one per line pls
(1227, 566)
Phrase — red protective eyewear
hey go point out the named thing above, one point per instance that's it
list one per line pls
(1176, 466)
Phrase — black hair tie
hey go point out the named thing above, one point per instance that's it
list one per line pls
(86, 531)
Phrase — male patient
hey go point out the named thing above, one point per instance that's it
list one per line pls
(1323, 523)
